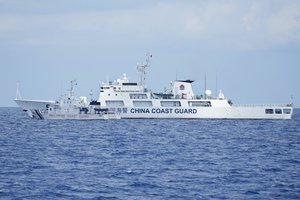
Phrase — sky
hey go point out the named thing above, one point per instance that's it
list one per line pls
(250, 49)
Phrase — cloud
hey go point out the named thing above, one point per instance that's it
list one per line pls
(218, 24)
(268, 27)
(251, 17)
(284, 26)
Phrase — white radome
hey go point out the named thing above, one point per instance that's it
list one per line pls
(208, 93)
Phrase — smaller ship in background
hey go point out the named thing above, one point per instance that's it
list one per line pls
(67, 107)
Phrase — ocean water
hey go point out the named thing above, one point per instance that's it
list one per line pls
(148, 159)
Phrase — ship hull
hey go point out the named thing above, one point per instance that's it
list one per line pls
(38, 110)
(33, 107)
(233, 112)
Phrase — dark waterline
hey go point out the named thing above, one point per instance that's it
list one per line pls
(148, 159)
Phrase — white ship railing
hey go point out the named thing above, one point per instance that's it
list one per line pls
(262, 105)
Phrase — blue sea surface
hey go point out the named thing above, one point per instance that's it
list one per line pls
(148, 159)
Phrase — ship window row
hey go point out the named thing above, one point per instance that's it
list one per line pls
(278, 111)
(114, 103)
(200, 103)
(138, 96)
(142, 103)
(170, 103)
(129, 84)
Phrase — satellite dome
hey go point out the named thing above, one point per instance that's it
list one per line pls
(208, 93)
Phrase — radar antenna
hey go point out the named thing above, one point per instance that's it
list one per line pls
(141, 70)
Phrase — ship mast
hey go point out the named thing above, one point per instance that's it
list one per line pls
(73, 83)
(141, 70)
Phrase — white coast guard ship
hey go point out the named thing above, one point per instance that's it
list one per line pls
(67, 107)
(134, 100)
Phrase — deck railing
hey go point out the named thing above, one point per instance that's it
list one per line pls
(260, 105)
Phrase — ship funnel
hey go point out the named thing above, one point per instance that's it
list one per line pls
(182, 89)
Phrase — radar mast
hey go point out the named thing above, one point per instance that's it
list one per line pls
(141, 70)
(73, 83)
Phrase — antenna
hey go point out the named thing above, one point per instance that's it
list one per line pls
(141, 70)
(91, 95)
(61, 92)
(73, 83)
(216, 92)
(18, 94)
(205, 85)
